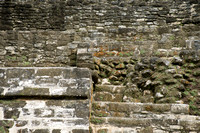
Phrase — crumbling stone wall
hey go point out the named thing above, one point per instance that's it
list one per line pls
(52, 31)
(138, 50)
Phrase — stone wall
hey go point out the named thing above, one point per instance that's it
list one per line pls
(143, 56)
(139, 94)
(44, 100)
(48, 33)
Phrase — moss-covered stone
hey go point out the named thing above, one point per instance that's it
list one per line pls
(171, 81)
(146, 130)
(6, 123)
(167, 100)
(29, 91)
(49, 72)
(95, 120)
(106, 68)
(102, 131)
(100, 113)
(120, 66)
(79, 131)
(12, 103)
(196, 73)
(97, 61)
(157, 108)
(129, 122)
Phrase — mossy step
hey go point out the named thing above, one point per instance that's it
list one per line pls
(109, 88)
(107, 96)
(128, 109)
(193, 125)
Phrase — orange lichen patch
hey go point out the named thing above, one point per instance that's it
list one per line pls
(175, 53)
(101, 49)
(183, 81)
(99, 54)
(118, 114)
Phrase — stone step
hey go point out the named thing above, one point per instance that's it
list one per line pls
(107, 96)
(109, 88)
(110, 93)
(134, 124)
(137, 110)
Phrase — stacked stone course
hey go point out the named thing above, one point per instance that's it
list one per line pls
(143, 57)
(44, 99)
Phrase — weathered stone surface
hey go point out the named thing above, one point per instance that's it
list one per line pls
(61, 33)
(176, 108)
(46, 81)
(56, 131)
(127, 122)
(79, 131)
(51, 115)
(41, 131)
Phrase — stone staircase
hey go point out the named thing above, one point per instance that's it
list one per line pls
(109, 93)
(111, 115)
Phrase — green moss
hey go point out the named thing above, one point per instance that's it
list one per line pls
(96, 120)
(26, 63)
(157, 53)
(186, 93)
(100, 113)
(2, 130)
(192, 105)
(172, 37)
(121, 54)
(11, 58)
(194, 92)
(142, 51)
(190, 65)
(171, 81)
(14, 117)
(196, 73)
(95, 106)
(188, 71)
(102, 131)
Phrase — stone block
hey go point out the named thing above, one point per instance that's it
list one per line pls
(56, 131)
(80, 131)
(19, 73)
(124, 107)
(44, 113)
(157, 108)
(110, 88)
(21, 123)
(129, 122)
(22, 131)
(48, 72)
(41, 131)
(180, 108)
(28, 91)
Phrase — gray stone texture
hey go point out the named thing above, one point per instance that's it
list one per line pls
(62, 33)
(35, 81)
